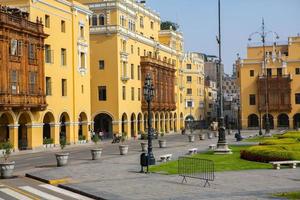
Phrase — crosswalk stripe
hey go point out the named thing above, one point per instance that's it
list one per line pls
(64, 192)
(1, 198)
(14, 194)
(39, 193)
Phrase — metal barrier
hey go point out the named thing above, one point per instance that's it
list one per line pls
(196, 168)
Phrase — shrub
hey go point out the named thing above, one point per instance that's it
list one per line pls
(96, 138)
(290, 135)
(82, 137)
(48, 141)
(271, 153)
(62, 142)
(7, 147)
(123, 137)
(279, 141)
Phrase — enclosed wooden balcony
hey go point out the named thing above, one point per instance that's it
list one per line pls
(22, 102)
(279, 93)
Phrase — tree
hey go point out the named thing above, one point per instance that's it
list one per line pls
(167, 24)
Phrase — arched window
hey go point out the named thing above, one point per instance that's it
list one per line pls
(101, 20)
(94, 20)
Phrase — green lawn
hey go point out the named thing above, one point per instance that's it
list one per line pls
(230, 162)
(289, 195)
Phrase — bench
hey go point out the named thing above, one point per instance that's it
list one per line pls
(291, 163)
(193, 150)
(212, 146)
(166, 157)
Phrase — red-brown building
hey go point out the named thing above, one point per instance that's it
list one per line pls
(22, 81)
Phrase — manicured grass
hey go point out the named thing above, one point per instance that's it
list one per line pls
(289, 195)
(230, 162)
(260, 138)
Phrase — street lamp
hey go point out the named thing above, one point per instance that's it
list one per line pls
(222, 146)
(149, 94)
(237, 108)
(263, 34)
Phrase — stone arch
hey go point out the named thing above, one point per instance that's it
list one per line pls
(83, 129)
(145, 121)
(271, 121)
(175, 122)
(181, 121)
(296, 119)
(124, 124)
(24, 130)
(64, 129)
(156, 126)
(133, 125)
(283, 120)
(139, 122)
(5, 120)
(103, 123)
(253, 121)
(171, 121)
(162, 122)
(48, 125)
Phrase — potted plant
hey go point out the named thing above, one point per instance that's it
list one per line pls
(144, 146)
(96, 153)
(62, 158)
(202, 136)
(7, 167)
(162, 143)
(82, 139)
(48, 142)
(123, 147)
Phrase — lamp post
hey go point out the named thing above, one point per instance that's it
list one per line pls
(149, 94)
(222, 146)
(263, 34)
(237, 108)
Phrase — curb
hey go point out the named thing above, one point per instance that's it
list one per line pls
(80, 192)
(51, 182)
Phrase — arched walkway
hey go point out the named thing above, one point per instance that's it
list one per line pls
(296, 119)
(139, 122)
(48, 131)
(271, 121)
(253, 121)
(283, 120)
(23, 131)
(5, 120)
(156, 121)
(133, 125)
(103, 122)
(171, 122)
(83, 126)
(181, 121)
(64, 132)
(124, 124)
(175, 122)
(166, 128)
(145, 121)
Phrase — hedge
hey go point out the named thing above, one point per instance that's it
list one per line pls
(279, 141)
(267, 153)
(295, 135)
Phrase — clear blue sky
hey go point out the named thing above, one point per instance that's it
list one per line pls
(198, 20)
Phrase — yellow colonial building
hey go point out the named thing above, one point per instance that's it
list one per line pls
(191, 85)
(281, 77)
(126, 44)
(66, 77)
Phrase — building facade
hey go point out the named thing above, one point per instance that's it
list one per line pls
(126, 44)
(210, 99)
(66, 82)
(273, 89)
(191, 83)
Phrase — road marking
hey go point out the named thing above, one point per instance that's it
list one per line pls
(39, 193)
(1, 198)
(14, 194)
(64, 192)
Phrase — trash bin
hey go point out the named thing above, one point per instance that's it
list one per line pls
(144, 160)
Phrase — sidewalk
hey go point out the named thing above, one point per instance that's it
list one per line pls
(117, 177)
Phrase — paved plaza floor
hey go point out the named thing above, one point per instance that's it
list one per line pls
(117, 177)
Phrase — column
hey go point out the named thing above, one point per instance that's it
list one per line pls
(55, 133)
(13, 135)
(34, 135)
